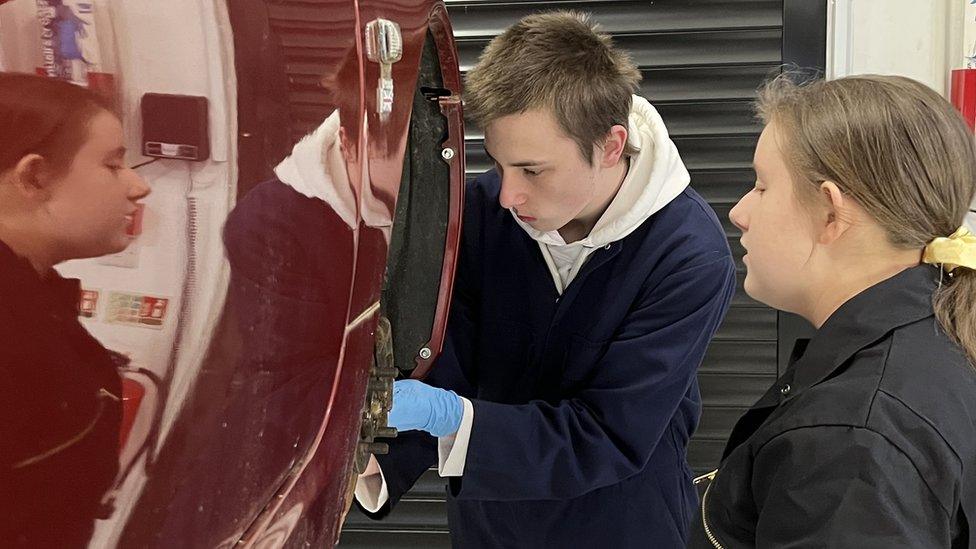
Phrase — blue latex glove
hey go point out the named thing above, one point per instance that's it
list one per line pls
(418, 406)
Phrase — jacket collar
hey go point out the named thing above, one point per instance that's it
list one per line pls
(864, 319)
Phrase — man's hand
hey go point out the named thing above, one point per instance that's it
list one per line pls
(418, 406)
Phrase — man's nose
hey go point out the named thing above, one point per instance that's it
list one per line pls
(510, 196)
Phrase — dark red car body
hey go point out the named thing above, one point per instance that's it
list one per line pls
(224, 476)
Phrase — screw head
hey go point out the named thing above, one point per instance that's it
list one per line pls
(447, 153)
(425, 353)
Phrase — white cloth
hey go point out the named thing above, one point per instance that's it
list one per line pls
(316, 168)
(371, 491)
(450, 463)
(656, 177)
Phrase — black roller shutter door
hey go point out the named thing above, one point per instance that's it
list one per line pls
(702, 61)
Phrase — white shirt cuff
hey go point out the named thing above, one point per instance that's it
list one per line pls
(371, 491)
(452, 451)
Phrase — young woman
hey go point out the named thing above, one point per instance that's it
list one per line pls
(869, 438)
(64, 194)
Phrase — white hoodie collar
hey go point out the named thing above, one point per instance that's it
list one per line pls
(316, 168)
(655, 178)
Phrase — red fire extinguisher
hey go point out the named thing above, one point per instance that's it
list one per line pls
(963, 94)
(964, 98)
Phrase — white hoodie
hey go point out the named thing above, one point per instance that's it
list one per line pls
(656, 177)
(316, 168)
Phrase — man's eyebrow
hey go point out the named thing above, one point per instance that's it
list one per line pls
(520, 164)
(528, 163)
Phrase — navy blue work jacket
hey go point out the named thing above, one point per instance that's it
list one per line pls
(583, 403)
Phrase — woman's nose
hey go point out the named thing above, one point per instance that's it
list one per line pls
(138, 188)
(737, 215)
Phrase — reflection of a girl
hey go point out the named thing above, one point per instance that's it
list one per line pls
(64, 194)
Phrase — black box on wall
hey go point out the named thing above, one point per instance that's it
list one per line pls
(175, 127)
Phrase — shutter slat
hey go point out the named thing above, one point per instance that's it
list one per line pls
(483, 19)
(676, 49)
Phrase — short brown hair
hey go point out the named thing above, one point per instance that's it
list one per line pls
(41, 115)
(900, 150)
(559, 62)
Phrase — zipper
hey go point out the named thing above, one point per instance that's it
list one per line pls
(101, 395)
(708, 531)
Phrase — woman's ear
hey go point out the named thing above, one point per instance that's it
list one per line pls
(32, 177)
(838, 213)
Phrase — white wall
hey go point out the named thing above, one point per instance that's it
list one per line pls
(921, 39)
(907, 37)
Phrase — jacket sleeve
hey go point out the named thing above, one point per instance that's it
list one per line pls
(412, 453)
(840, 486)
(608, 430)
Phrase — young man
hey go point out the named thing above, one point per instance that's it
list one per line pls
(590, 282)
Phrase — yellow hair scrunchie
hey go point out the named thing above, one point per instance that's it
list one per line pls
(958, 250)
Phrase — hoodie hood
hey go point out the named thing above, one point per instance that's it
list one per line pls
(316, 169)
(656, 177)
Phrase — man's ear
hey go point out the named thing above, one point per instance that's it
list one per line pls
(32, 176)
(838, 214)
(613, 147)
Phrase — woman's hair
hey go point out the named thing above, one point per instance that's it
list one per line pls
(40, 115)
(900, 150)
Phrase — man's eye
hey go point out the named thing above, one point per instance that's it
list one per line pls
(531, 173)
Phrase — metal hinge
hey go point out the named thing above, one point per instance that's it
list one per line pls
(384, 45)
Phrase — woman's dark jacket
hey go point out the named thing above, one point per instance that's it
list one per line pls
(60, 412)
(867, 440)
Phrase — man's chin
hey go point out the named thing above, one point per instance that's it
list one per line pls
(545, 226)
